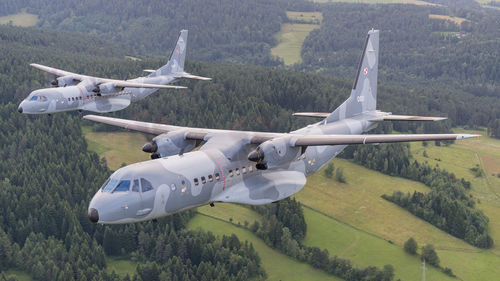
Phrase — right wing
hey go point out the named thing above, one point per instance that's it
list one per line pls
(260, 137)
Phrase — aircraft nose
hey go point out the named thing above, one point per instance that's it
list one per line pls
(93, 215)
(20, 109)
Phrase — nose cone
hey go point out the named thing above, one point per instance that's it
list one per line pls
(20, 109)
(93, 215)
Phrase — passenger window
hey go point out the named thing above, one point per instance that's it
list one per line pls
(210, 178)
(135, 187)
(123, 186)
(230, 173)
(146, 185)
(196, 181)
(203, 180)
(217, 176)
(237, 171)
(244, 170)
(250, 169)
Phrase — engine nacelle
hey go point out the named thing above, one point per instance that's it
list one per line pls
(168, 144)
(64, 81)
(274, 152)
(107, 88)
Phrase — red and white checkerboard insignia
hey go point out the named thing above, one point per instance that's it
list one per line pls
(365, 71)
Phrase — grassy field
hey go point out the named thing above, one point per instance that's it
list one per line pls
(22, 19)
(277, 265)
(456, 20)
(459, 158)
(309, 17)
(18, 274)
(352, 221)
(292, 35)
(362, 248)
(117, 147)
(121, 267)
(415, 2)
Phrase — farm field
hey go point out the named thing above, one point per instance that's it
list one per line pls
(292, 35)
(21, 19)
(456, 20)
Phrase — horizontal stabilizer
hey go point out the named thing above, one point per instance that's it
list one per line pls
(149, 70)
(312, 114)
(408, 118)
(191, 76)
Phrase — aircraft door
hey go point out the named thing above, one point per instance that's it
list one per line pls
(147, 196)
(134, 200)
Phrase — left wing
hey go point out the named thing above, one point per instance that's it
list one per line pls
(260, 137)
(98, 80)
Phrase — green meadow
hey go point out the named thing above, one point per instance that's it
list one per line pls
(292, 35)
(21, 19)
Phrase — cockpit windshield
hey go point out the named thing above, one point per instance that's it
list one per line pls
(109, 185)
(123, 186)
(38, 98)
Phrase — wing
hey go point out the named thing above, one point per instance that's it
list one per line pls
(98, 80)
(260, 137)
(315, 140)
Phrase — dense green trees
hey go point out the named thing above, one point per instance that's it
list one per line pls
(411, 246)
(224, 30)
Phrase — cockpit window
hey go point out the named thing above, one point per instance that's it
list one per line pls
(146, 185)
(109, 185)
(123, 186)
(38, 98)
(135, 187)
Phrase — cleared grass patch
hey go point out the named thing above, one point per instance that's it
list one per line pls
(309, 17)
(456, 20)
(277, 265)
(116, 147)
(18, 274)
(291, 37)
(122, 267)
(21, 19)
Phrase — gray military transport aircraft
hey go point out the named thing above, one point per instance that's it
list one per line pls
(82, 92)
(242, 166)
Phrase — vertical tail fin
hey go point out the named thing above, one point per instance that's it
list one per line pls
(175, 63)
(364, 90)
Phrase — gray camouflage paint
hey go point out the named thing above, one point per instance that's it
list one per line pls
(173, 177)
(81, 97)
